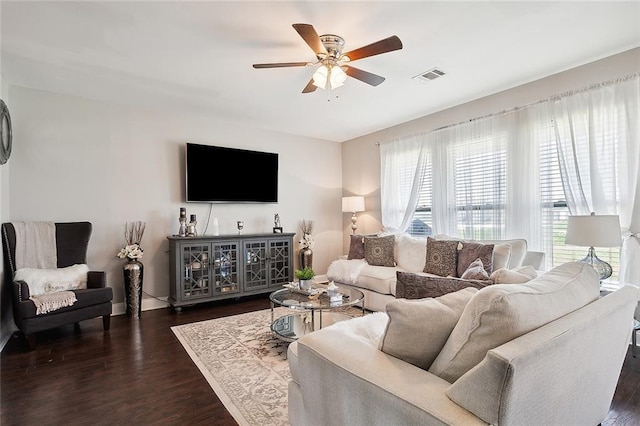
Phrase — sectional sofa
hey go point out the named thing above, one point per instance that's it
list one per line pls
(545, 352)
(410, 254)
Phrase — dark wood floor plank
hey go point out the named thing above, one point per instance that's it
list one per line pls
(138, 373)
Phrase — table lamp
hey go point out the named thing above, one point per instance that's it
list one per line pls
(594, 231)
(353, 204)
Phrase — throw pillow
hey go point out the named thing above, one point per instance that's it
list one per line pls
(378, 251)
(475, 271)
(499, 313)
(513, 276)
(442, 257)
(417, 330)
(417, 286)
(501, 256)
(411, 252)
(472, 251)
(43, 281)
(356, 247)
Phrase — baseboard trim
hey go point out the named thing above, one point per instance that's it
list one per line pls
(148, 304)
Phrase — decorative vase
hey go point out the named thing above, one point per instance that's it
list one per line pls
(306, 258)
(306, 284)
(133, 270)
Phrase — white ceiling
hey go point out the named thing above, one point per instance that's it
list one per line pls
(198, 56)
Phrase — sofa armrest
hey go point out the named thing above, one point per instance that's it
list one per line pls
(362, 385)
(535, 259)
(96, 279)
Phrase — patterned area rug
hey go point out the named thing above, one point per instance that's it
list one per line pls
(244, 364)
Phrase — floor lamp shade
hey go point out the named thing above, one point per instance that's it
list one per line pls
(353, 205)
(595, 231)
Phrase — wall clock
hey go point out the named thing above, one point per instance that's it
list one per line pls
(5, 133)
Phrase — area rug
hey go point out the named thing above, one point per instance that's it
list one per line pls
(244, 364)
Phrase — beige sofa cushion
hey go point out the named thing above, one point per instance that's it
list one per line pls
(517, 251)
(501, 312)
(519, 275)
(381, 279)
(418, 329)
(501, 256)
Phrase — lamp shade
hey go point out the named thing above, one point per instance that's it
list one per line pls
(594, 231)
(353, 204)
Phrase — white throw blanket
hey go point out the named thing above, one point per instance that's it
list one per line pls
(35, 245)
(345, 271)
(51, 301)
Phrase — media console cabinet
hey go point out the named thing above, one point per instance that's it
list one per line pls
(210, 268)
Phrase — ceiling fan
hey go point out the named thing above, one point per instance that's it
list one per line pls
(333, 69)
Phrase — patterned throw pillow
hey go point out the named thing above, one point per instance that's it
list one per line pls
(356, 247)
(475, 271)
(442, 257)
(378, 251)
(416, 286)
(472, 251)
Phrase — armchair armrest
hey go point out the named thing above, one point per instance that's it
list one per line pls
(96, 279)
(20, 291)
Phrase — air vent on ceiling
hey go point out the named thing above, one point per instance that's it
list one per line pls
(430, 75)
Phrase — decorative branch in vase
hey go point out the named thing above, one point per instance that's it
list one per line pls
(306, 243)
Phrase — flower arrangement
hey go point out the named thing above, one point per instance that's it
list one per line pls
(306, 242)
(305, 273)
(133, 233)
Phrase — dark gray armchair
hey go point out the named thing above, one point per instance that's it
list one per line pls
(72, 241)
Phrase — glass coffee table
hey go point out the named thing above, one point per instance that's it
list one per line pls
(312, 314)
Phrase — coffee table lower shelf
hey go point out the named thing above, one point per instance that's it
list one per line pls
(292, 327)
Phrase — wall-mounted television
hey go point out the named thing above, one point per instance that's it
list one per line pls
(216, 174)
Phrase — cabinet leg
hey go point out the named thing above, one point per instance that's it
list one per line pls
(178, 309)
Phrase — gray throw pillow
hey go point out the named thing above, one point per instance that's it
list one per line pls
(442, 257)
(475, 271)
(472, 251)
(356, 247)
(417, 330)
(417, 286)
(378, 251)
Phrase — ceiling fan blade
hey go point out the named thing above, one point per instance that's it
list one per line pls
(281, 65)
(310, 36)
(310, 87)
(364, 76)
(383, 46)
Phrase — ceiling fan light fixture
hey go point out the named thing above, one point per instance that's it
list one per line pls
(337, 77)
(321, 76)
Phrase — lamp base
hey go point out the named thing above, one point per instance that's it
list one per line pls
(603, 269)
(354, 219)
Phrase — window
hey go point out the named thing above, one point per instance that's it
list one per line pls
(479, 187)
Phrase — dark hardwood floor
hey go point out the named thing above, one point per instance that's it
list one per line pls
(138, 373)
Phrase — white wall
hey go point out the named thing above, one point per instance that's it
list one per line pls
(80, 159)
(361, 156)
(6, 313)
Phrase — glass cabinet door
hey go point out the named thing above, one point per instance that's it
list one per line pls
(196, 282)
(280, 262)
(255, 265)
(225, 267)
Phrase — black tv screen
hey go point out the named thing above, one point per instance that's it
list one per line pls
(217, 174)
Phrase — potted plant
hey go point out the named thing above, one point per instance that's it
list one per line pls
(305, 275)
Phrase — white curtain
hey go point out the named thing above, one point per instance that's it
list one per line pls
(598, 141)
(402, 168)
(503, 173)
